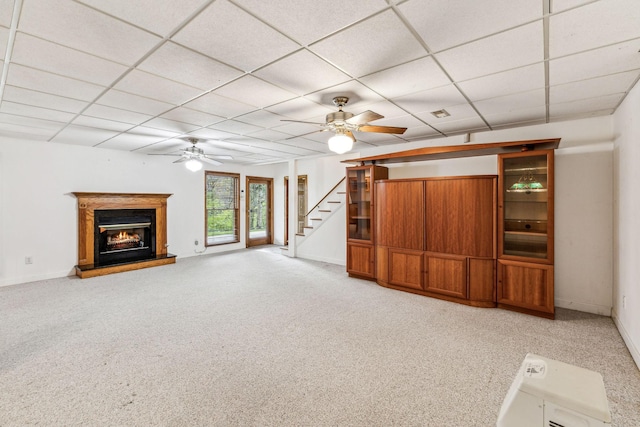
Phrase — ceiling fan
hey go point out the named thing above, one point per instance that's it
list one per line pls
(344, 123)
(194, 156)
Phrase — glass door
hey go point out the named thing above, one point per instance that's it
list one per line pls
(259, 215)
(527, 198)
(359, 197)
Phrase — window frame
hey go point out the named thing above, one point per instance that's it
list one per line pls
(236, 209)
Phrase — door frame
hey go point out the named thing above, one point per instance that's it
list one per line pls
(268, 239)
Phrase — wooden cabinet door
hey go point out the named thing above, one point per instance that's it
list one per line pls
(446, 274)
(400, 214)
(526, 287)
(406, 268)
(461, 216)
(360, 260)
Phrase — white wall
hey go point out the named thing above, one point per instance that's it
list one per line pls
(38, 215)
(626, 295)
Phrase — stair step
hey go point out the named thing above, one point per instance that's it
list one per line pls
(334, 201)
(300, 234)
(308, 226)
(324, 210)
(316, 219)
(341, 192)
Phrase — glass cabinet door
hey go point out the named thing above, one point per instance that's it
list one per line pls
(526, 215)
(359, 198)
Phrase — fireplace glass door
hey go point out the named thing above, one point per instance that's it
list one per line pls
(124, 235)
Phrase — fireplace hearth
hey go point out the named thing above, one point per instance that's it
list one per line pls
(120, 232)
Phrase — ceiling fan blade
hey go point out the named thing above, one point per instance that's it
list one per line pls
(182, 159)
(213, 156)
(208, 160)
(162, 154)
(381, 129)
(364, 117)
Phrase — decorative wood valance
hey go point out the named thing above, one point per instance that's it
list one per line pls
(456, 151)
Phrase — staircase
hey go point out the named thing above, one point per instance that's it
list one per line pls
(323, 210)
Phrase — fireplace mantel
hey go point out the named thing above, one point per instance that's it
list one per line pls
(89, 202)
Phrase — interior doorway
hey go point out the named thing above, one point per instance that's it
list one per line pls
(259, 203)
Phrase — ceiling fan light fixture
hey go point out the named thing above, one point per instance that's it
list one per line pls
(340, 143)
(193, 165)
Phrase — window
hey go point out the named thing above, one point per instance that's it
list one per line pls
(222, 202)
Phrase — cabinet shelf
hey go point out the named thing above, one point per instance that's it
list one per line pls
(525, 233)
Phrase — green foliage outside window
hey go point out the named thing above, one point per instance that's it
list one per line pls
(222, 208)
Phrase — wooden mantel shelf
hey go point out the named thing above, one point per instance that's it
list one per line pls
(456, 151)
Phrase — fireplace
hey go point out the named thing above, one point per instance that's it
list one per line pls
(124, 235)
(120, 232)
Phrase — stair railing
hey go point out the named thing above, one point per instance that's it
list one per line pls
(306, 216)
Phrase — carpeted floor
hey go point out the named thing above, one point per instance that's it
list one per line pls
(253, 338)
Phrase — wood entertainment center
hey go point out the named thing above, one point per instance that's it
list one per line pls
(484, 241)
(155, 249)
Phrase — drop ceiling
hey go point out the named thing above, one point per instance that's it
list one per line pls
(142, 75)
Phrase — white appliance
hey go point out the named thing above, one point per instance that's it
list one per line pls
(549, 393)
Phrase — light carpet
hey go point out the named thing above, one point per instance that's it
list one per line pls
(254, 338)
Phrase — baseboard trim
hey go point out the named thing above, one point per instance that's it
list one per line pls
(36, 278)
(635, 352)
(602, 310)
(321, 259)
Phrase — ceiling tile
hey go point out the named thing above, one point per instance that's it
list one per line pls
(47, 126)
(431, 100)
(44, 100)
(517, 116)
(560, 5)
(415, 76)
(4, 40)
(187, 115)
(299, 109)
(111, 113)
(36, 112)
(443, 23)
(462, 126)
(592, 88)
(262, 118)
(126, 101)
(109, 38)
(170, 125)
(573, 31)
(13, 130)
(253, 91)
(500, 84)
(369, 46)
(98, 123)
(217, 105)
(211, 134)
(6, 12)
(180, 64)
(504, 51)
(309, 20)
(580, 107)
(254, 44)
(595, 63)
(532, 98)
(270, 135)
(130, 141)
(158, 16)
(301, 73)
(41, 81)
(420, 132)
(154, 87)
(51, 57)
(236, 127)
(82, 135)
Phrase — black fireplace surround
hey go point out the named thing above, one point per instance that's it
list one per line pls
(124, 235)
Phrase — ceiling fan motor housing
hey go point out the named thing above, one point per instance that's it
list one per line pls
(339, 117)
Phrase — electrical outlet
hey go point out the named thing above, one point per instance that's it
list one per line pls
(28, 260)
(196, 242)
